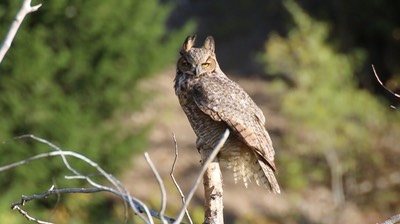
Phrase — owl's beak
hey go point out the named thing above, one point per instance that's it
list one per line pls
(198, 70)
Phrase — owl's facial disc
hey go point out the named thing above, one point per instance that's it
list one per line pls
(196, 69)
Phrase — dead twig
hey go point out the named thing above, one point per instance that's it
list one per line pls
(78, 175)
(25, 9)
(174, 180)
(27, 216)
(136, 205)
(161, 184)
(387, 89)
(26, 199)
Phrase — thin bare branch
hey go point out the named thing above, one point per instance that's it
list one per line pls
(136, 205)
(387, 89)
(25, 199)
(108, 176)
(25, 9)
(211, 158)
(161, 184)
(174, 180)
(392, 220)
(27, 216)
(380, 82)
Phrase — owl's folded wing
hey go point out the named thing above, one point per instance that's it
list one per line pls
(239, 112)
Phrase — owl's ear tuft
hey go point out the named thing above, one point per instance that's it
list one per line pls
(188, 44)
(209, 44)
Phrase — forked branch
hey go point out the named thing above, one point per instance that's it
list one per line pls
(174, 180)
(117, 189)
(25, 9)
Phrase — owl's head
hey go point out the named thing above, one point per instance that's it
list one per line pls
(197, 61)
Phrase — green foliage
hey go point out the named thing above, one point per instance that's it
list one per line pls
(326, 110)
(72, 67)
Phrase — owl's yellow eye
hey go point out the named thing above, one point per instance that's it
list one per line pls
(205, 65)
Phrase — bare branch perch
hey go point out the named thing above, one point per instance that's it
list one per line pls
(213, 192)
(210, 166)
(25, 9)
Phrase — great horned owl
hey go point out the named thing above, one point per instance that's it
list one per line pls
(212, 103)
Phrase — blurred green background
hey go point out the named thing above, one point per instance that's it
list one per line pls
(71, 77)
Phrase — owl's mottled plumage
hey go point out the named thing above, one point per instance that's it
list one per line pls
(212, 103)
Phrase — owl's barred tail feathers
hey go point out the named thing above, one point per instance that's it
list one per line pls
(246, 165)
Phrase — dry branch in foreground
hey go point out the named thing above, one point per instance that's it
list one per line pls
(117, 188)
(138, 207)
(174, 180)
